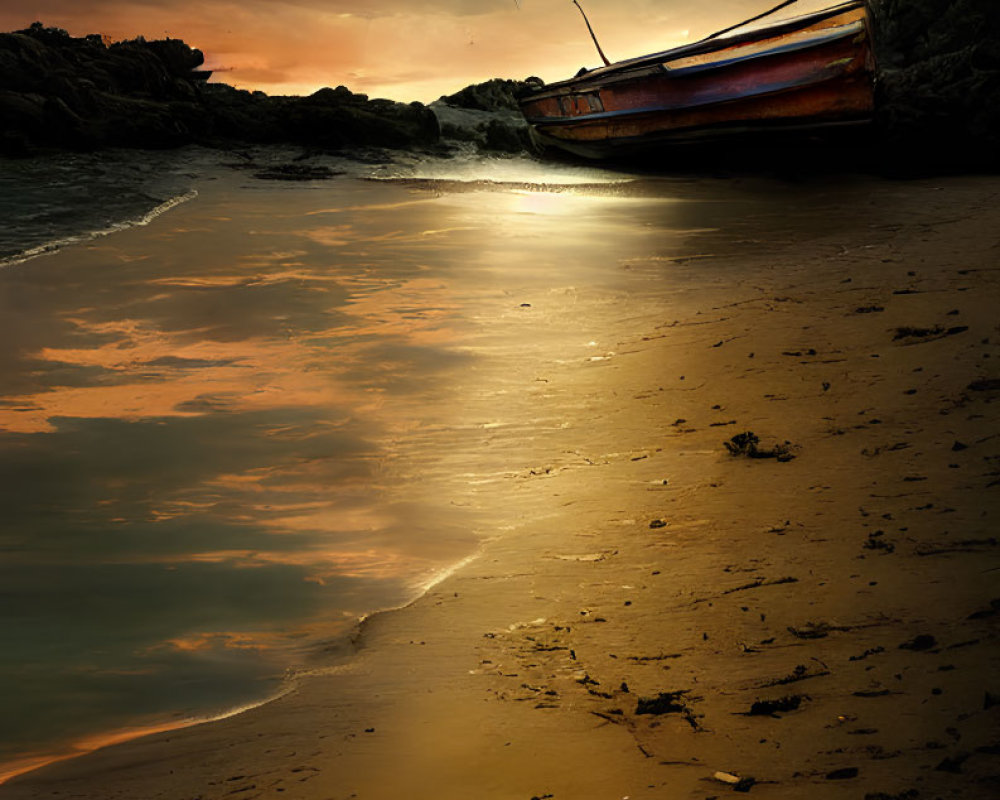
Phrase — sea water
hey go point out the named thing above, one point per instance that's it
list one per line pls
(238, 415)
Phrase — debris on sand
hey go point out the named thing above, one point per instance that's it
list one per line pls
(871, 651)
(761, 582)
(871, 693)
(739, 784)
(875, 542)
(816, 630)
(800, 673)
(297, 172)
(748, 444)
(922, 642)
(768, 708)
(926, 334)
(953, 763)
(663, 703)
(668, 703)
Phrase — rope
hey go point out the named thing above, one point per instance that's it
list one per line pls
(752, 19)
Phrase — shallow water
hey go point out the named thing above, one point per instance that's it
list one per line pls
(228, 432)
(233, 430)
(55, 201)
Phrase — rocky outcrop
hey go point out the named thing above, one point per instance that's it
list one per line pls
(80, 92)
(938, 89)
(59, 91)
(487, 114)
(493, 95)
(488, 131)
(330, 118)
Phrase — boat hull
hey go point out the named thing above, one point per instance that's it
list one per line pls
(803, 78)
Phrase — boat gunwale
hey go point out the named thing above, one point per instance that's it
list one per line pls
(699, 70)
(629, 68)
(546, 123)
(832, 35)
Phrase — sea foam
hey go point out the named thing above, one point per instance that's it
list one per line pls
(55, 245)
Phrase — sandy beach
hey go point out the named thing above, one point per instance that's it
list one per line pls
(649, 613)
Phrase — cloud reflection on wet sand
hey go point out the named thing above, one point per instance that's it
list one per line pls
(228, 435)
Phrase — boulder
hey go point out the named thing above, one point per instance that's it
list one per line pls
(487, 115)
(504, 137)
(493, 95)
(177, 56)
(938, 87)
(338, 118)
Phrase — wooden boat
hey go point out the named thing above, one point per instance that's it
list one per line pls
(806, 74)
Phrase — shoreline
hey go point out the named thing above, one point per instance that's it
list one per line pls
(208, 173)
(652, 588)
(295, 675)
(290, 683)
(71, 240)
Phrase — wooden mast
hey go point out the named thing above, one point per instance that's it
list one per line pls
(600, 52)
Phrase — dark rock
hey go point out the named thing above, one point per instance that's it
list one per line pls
(296, 172)
(335, 120)
(763, 708)
(953, 763)
(928, 334)
(178, 57)
(938, 88)
(493, 95)
(59, 91)
(815, 630)
(875, 542)
(506, 138)
(985, 385)
(842, 774)
(748, 444)
(922, 642)
(908, 331)
(27, 108)
(500, 131)
(869, 652)
(663, 703)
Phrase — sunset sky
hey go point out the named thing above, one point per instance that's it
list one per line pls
(391, 48)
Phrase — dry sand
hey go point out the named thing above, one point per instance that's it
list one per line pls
(650, 594)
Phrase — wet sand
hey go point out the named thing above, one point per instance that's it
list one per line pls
(648, 609)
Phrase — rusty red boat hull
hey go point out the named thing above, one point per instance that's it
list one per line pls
(806, 75)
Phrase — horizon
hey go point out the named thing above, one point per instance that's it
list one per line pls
(296, 47)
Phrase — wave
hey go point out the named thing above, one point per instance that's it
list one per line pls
(54, 246)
